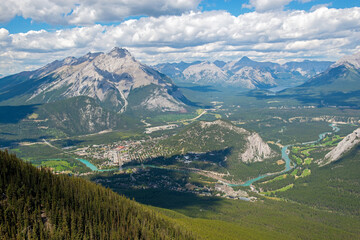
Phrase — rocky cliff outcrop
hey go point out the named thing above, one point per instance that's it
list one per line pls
(256, 149)
(349, 142)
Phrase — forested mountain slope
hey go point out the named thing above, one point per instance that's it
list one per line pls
(36, 204)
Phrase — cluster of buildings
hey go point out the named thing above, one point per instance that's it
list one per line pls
(118, 153)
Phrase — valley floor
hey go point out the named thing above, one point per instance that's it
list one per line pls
(287, 196)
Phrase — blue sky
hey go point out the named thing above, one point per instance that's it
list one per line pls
(33, 33)
(19, 24)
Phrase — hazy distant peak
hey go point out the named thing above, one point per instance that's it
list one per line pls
(219, 63)
(349, 61)
(245, 59)
(243, 72)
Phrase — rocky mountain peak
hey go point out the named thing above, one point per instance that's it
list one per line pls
(223, 124)
(119, 52)
(108, 78)
(352, 61)
(205, 70)
(219, 64)
(69, 60)
(90, 56)
(245, 59)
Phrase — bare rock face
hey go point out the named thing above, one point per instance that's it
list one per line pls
(256, 149)
(251, 78)
(91, 116)
(343, 147)
(160, 100)
(107, 77)
(206, 73)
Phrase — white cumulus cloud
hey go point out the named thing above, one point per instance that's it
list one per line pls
(324, 34)
(83, 12)
(5, 39)
(267, 5)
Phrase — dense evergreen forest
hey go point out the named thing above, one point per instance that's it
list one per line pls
(36, 204)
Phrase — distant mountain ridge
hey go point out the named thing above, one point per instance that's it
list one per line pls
(308, 68)
(109, 78)
(244, 73)
(339, 85)
(352, 61)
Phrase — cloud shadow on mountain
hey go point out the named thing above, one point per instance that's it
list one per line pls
(14, 114)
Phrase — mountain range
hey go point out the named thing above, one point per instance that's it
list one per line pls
(103, 86)
(115, 80)
(339, 85)
(244, 73)
(188, 168)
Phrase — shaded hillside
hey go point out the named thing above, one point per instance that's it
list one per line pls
(82, 115)
(70, 117)
(35, 204)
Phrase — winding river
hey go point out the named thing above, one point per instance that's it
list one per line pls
(284, 154)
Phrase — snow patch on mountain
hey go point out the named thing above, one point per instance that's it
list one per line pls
(307, 68)
(302, 72)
